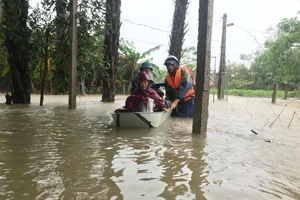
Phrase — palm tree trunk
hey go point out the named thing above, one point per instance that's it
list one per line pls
(111, 46)
(178, 28)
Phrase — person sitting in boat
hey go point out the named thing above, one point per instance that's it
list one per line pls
(138, 100)
(146, 67)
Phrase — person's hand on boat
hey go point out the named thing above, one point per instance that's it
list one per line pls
(174, 104)
(165, 109)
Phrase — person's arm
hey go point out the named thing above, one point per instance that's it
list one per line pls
(174, 104)
(160, 84)
(153, 85)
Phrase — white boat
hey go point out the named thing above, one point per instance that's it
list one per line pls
(140, 119)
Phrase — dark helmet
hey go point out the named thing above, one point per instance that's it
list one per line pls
(171, 60)
(146, 65)
(143, 76)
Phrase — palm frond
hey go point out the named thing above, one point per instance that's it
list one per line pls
(147, 53)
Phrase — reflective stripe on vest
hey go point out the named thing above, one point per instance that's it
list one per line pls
(176, 82)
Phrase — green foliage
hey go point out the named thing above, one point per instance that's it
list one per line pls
(53, 16)
(3, 52)
(240, 84)
(280, 60)
(130, 60)
(288, 26)
(42, 24)
(246, 57)
(294, 94)
(240, 77)
(189, 58)
(90, 41)
(258, 93)
(158, 75)
(254, 93)
(5, 71)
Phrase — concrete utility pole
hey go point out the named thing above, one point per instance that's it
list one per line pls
(215, 79)
(203, 66)
(222, 60)
(73, 63)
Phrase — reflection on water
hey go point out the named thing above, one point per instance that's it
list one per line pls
(51, 152)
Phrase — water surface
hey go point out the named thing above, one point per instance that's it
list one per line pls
(51, 152)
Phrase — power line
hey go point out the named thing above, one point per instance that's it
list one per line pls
(144, 41)
(138, 24)
(249, 32)
(249, 29)
(217, 24)
(214, 26)
(157, 29)
(165, 31)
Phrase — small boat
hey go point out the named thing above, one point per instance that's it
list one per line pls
(140, 119)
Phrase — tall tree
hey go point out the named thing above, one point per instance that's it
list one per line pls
(280, 59)
(4, 69)
(41, 22)
(90, 32)
(17, 36)
(62, 46)
(111, 45)
(179, 28)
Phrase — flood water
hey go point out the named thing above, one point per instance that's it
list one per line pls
(51, 152)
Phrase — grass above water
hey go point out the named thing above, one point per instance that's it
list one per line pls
(258, 93)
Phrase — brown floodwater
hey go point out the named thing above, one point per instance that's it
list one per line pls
(51, 152)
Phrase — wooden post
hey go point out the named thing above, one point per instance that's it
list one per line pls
(203, 66)
(73, 64)
(222, 60)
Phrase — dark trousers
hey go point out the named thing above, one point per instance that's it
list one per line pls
(185, 109)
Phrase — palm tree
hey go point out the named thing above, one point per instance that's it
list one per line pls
(131, 59)
(158, 75)
(178, 28)
(111, 45)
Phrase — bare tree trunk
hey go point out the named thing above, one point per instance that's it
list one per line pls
(130, 78)
(111, 46)
(285, 91)
(17, 36)
(49, 77)
(178, 28)
(274, 95)
(32, 87)
(45, 72)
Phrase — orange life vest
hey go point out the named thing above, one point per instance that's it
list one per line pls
(176, 82)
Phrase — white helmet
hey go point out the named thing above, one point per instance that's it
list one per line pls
(171, 57)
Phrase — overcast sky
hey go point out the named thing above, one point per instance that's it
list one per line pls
(251, 18)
